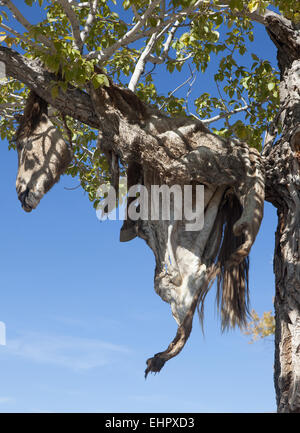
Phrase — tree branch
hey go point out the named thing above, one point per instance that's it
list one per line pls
(261, 17)
(188, 80)
(225, 114)
(74, 102)
(78, 44)
(169, 40)
(135, 13)
(131, 36)
(79, 5)
(257, 15)
(286, 39)
(19, 35)
(140, 66)
(22, 20)
(17, 14)
(159, 60)
(13, 32)
(89, 21)
(136, 132)
(135, 34)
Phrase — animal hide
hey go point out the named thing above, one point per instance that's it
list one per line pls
(43, 154)
(187, 262)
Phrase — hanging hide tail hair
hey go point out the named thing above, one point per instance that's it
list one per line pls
(233, 278)
(129, 228)
(34, 110)
(230, 269)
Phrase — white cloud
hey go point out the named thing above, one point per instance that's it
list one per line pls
(67, 351)
(6, 400)
(2, 334)
(86, 324)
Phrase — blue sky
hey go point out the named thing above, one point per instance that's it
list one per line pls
(82, 316)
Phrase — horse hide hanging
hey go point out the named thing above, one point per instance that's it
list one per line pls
(161, 150)
(187, 262)
(178, 150)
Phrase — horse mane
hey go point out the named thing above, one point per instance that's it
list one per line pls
(34, 110)
(230, 269)
(233, 278)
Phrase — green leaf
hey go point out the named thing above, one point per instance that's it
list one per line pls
(100, 80)
(236, 4)
(253, 5)
(63, 85)
(126, 4)
(55, 91)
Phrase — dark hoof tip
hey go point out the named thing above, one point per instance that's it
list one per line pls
(154, 365)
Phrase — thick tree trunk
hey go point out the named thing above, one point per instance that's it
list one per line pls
(283, 190)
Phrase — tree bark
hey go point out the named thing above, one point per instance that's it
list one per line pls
(283, 190)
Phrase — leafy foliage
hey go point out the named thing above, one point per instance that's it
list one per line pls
(260, 327)
(213, 36)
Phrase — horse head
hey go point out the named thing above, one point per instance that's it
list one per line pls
(43, 155)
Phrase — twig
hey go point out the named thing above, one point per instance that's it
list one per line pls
(89, 21)
(224, 114)
(79, 5)
(258, 15)
(19, 35)
(166, 45)
(72, 188)
(88, 151)
(17, 14)
(159, 60)
(25, 23)
(68, 130)
(191, 83)
(135, 34)
(224, 104)
(13, 95)
(177, 88)
(140, 66)
(131, 36)
(149, 72)
(77, 43)
(135, 13)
